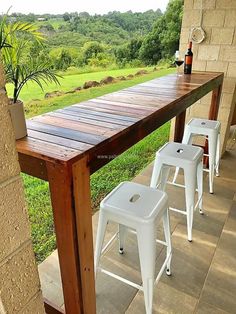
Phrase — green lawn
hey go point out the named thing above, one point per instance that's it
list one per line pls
(124, 167)
(68, 82)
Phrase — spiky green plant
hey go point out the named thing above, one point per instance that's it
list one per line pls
(20, 68)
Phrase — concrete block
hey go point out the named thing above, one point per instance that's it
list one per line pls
(19, 280)
(229, 85)
(222, 36)
(217, 66)
(230, 18)
(226, 100)
(199, 111)
(204, 4)
(14, 223)
(191, 18)
(232, 69)
(213, 18)
(206, 100)
(199, 65)
(208, 31)
(227, 53)
(184, 37)
(8, 157)
(2, 76)
(188, 4)
(226, 4)
(234, 39)
(208, 52)
(35, 306)
(3, 98)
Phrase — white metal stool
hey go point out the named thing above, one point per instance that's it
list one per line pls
(138, 207)
(189, 158)
(211, 130)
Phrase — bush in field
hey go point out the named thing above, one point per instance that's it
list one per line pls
(102, 60)
(62, 58)
(91, 50)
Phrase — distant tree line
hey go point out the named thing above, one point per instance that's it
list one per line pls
(113, 39)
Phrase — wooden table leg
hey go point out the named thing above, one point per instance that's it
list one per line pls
(179, 127)
(215, 103)
(81, 177)
(212, 115)
(61, 189)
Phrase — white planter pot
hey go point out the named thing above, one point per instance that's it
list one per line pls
(18, 119)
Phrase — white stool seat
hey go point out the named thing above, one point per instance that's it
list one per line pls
(177, 153)
(203, 126)
(138, 207)
(211, 130)
(134, 201)
(189, 158)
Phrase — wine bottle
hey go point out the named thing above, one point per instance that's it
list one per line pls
(188, 60)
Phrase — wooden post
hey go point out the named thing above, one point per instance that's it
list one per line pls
(215, 103)
(82, 196)
(179, 127)
(61, 189)
(212, 115)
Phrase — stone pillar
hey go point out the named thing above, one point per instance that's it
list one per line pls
(216, 53)
(19, 281)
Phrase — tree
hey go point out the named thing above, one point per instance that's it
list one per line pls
(20, 68)
(163, 40)
(91, 50)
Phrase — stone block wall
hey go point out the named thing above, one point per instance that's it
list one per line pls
(19, 281)
(216, 53)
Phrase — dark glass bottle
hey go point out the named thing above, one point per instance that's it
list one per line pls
(188, 60)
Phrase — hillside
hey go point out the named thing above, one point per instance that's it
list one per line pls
(74, 29)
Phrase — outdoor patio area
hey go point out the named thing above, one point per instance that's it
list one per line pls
(203, 272)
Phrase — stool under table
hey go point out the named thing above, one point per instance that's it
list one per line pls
(189, 158)
(211, 130)
(132, 205)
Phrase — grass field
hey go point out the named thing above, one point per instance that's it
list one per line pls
(68, 82)
(124, 167)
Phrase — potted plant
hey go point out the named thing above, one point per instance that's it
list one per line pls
(20, 68)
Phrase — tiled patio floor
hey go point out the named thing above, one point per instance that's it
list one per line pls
(203, 272)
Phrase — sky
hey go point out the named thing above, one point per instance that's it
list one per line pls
(90, 6)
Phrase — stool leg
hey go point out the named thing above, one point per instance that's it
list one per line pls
(102, 224)
(218, 156)
(200, 185)
(165, 170)
(212, 143)
(122, 232)
(190, 186)
(156, 172)
(146, 236)
(187, 139)
(166, 226)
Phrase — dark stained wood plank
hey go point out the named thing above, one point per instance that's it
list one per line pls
(103, 113)
(73, 117)
(79, 146)
(117, 103)
(215, 103)
(33, 166)
(179, 126)
(44, 150)
(116, 107)
(74, 125)
(65, 133)
(51, 308)
(83, 212)
(94, 117)
(60, 183)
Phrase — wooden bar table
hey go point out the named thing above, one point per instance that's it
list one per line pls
(66, 146)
